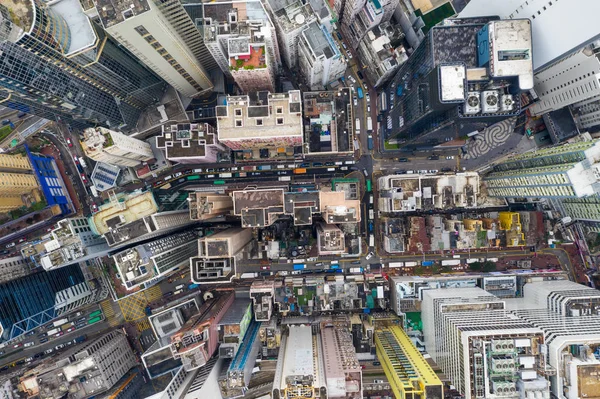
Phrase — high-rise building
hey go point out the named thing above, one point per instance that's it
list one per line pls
(189, 143)
(261, 120)
(242, 39)
(358, 17)
(566, 171)
(330, 240)
(205, 206)
(379, 55)
(484, 351)
(145, 265)
(550, 44)
(13, 267)
(115, 148)
(320, 60)
(33, 300)
(88, 370)
(218, 254)
(16, 180)
(80, 72)
(163, 36)
(460, 72)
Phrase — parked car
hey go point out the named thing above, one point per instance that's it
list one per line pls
(84, 178)
(94, 207)
(58, 334)
(339, 36)
(48, 351)
(366, 173)
(69, 142)
(29, 359)
(12, 244)
(369, 255)
(43, 340)
(349, 54)
(17, 345)
(6, 122)
(71, 329)
(360, 75)
(60, 346)
(450, 157)
(28, 344)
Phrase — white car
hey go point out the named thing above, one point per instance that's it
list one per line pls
(366, 173)
(450, 157)
(349, 54)
(368, 108)
(368, 97)
(355, 102)
(369, 255)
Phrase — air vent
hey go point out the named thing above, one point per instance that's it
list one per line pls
(507, 103)
(490, 102)
(472, 105)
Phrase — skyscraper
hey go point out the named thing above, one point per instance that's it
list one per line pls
(55, 61)
(358, 17)
(162, 36)
(466, 70)
(115, 148)
(566, 171)
(16, 180)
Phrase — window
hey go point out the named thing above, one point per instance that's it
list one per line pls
(279, 110)
(280, 121)
(141, 30)
(259, 122)
(239, 123)
(238, 112)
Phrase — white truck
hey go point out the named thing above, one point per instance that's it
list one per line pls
(357, 126)
(82, 162)
(60, 322)
(392, 265)
(369, 124)
(451, 262)
(411, 264)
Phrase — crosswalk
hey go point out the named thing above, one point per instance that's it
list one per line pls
(143, 325)
(109, 313)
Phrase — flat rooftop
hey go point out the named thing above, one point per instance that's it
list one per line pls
(82, 34)
(318, 41)
(128, 208)
(112, 12)
(22, 11)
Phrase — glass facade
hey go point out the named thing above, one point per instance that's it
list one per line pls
(29, 301)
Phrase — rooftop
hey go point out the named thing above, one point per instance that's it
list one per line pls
(319, 41)
(113, 12)
(82, 35)
(21, 12)
(258, 207)
(326, 113)
(124, 209)
(184, 140)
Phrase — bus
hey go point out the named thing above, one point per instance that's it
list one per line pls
(60, 322)
(360, 92)
(357, 126)
(369, 188)
(219, 182)
(95, 320)
(96, 313)
(193, 177)
(299, 171)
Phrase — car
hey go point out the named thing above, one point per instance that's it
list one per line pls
(369, 255)
(433, 171)
(376, 363)
(75, 160)
(178, 174)
(28, 344)
(351, 78)
(368, 97)
(305, 165)
(210, 170)
(29, 359)
(20, 362)
(1, 353)
(339, 36)
(317, 164)
(6, 122)
(58, 334)
(69, 142)
(344, 46)
(223, 169)
(355, 102)
(69, 343)
(38, 355)
(433, 157)
(343, 168)
(402, 159)
(450, 157)
(17, 345)
(22, 239)
(83, 178)
(12, 244)
(94, 207)
(329, 163)
(368, 108)
(43, 340)
(167, 294)
(366, 173)
(360, 75)
(446, 169)
(21, 114)
(60, 346)
(71, 329)
(349, 54)
(48, 351)
(266, 267)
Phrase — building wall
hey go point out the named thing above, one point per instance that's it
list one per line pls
(156, 27)
(12, 268)
(14, 162)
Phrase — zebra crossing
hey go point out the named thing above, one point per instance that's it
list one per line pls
(109, 313)
(143, 325)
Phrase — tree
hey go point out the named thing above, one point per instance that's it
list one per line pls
(489, 266)
(475, 266)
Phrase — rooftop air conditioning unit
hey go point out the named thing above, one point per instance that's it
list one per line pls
(473, 104)
(507, 103)
(490, 102)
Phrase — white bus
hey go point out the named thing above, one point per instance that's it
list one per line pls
(357, 126)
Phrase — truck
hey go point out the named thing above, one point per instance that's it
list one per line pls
(60, 322)
(52, 332)
(360, 93)
(451, 262)
(94, 191)
(249, 275)
(357, 126)
(492, 259)
(264, 167)
(427, 263)
(370, 142)
(80, 339)
(225, 175)
(82, 162)
(79, 168)
(371, 240)
(411, 264)
(66, 326)
(393, 265)
(371, 214)
(285, 178)
(299, 266)
(356, 270)
(369, 124)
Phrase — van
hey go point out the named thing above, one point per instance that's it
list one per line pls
(280, 166)
(180, 287)
(331, 169)
(339, 163)
(177, 292)
(371, 199)
(210, 176)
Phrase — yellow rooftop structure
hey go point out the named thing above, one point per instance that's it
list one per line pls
(124, 209)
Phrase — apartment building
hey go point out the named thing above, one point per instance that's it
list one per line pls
(16, 180)
(108, 146)
(189, 143)
(205, 206)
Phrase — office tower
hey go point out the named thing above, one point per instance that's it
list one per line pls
(396, 350)
(162, 36)
(70, 242)
(378, 54)
(484, 351)
(565, 171)
(204, 206)
(16, 180)
(585, 210)
(459, 73)
(145, 265)
(551, 44)
(88, 369)
(320, 61)
(217, 255)
(242, 39)
(189, 143)
(33, 300)
(68, 66)
(261, 120)
(358, 17)
(104, 145)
